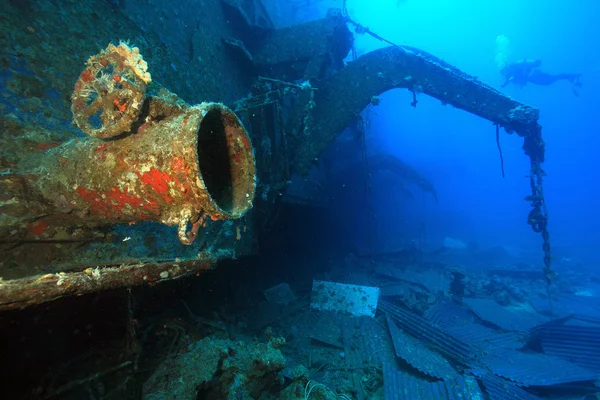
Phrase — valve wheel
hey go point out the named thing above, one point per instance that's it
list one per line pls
(110, 92)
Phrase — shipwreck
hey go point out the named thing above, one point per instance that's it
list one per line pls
(149, 163)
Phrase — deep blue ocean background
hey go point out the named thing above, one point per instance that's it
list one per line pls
(457, 151)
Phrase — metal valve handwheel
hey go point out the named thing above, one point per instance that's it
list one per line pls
(109, 93)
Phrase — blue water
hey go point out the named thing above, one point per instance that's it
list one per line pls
(457, 151)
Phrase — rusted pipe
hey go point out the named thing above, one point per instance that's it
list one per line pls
(20, 293)
(178, 165)
(196, 165)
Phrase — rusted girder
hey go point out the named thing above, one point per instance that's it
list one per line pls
(345, 94)
(19, 293)
(167, 162)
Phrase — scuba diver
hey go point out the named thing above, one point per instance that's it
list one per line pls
(528, 71)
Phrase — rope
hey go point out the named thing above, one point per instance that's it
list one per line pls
(499, 148)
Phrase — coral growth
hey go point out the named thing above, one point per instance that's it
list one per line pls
(219, 369)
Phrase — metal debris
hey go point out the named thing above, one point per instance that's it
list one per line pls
(461, 323)
(422, 329)
(510, 320)
(268, 313)
(280, 294)
(400, 385)
(353, 358)
(463, 387)
(375, 343)
(401, 290)
(431, 280)
(415, 353)
(535, 369)
(350, 332)
(565, 305)
(352, 299)
(574, 340)
(446, 312)
(501, 389)
(327, 329)
(483, 338)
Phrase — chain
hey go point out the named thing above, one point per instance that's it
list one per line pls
(534, 147)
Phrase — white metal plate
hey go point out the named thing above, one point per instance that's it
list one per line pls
(352, 299)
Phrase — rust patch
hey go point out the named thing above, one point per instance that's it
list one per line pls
(115, 201)
(46, 145)
(246, 141)
(159, 180)
(179, 166)
(100, 151)
(37, 228)
(86, 76)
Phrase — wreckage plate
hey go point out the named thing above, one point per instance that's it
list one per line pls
(535, 369)
(418, 355)
(502, 317)
(352, 299)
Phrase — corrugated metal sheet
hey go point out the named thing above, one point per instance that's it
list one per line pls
(481, 337)
(510, 320)
(353, 358)
(461, 322)
(432, 280)
(578, 344)
(535, 369)
(420, 328)
(400, 385)
(501, 389)
(400, 289)
(375, 343)
(445, 312)
(463, 388)
(327, 329)
(415, 353)
(564, 305)
(350, 332)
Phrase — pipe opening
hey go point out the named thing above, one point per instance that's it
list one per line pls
(214, 161)
(226, 160)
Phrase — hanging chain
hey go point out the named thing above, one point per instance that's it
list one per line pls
(534, 147)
